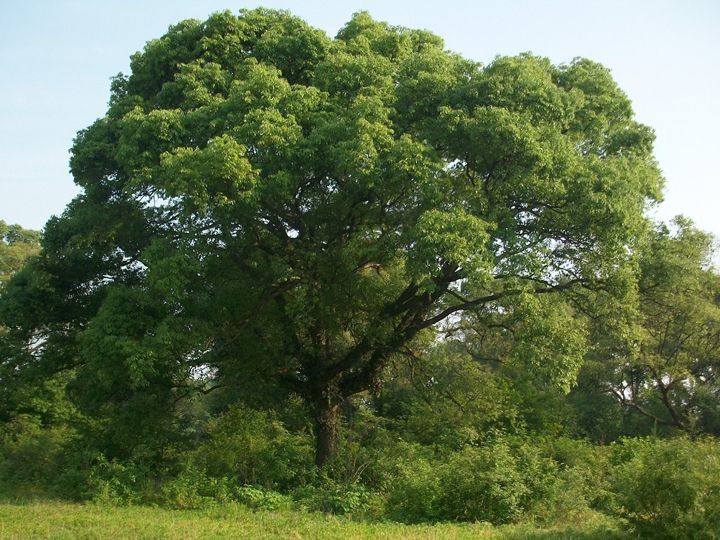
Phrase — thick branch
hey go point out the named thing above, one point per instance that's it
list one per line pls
(471, 304)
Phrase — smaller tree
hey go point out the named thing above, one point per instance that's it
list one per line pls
(671, 372)
(16, 245)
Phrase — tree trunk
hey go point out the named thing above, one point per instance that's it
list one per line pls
(327, 424)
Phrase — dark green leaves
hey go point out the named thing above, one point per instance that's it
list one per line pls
(261, 199)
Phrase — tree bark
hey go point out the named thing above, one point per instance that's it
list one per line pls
(327, 424)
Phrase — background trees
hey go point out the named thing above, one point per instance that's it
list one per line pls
(16, 245)
(667, 371)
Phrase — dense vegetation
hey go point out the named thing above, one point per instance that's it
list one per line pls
(364, 276)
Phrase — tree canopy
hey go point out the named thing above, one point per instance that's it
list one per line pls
(264, 206)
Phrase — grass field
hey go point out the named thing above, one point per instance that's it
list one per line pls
(55, 520)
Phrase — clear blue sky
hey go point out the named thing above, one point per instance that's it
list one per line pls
(56, 58)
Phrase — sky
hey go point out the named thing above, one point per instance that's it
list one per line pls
(57, 57)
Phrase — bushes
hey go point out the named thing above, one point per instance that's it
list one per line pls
(194, 489)
(582, 483)
(495, 483)
(52, 462)
(416, 494)
(669, 488)
(33, 461)
(247, 456)
(242, 447)
(37, 462)
(333, 498)
(254, 448)
(663, 488)
(114, 482)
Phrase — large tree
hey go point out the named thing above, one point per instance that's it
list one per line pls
(262, 203)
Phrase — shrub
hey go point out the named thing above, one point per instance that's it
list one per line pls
(32, 459)
(333, 498)
(415, 495)
(261, 499)
(194, 489)
(496, 483)
(55, 462)
(372, 455)
(191, 488)
(670, 488)
(582, 483)
(254, 448)
(115, 482)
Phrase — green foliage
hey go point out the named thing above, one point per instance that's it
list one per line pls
(665, 368)
(114, 482)
(669, 489)
(193, 488)
(409, 253)
(262, 202)
(260, 499)
(582, 484)
(541, 335)
(333, 498)
(56, 462)
(496, 482)
(254, 448)
(665, 489)
(29, 456)
(373, 453)
(416, 494)
(446, 398)
(16, 245)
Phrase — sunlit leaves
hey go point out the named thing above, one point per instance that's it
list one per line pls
(270, 200)
(16, 245)
(217, 175)
(453, 237)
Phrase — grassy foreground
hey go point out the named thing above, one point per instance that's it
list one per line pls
(75, 521)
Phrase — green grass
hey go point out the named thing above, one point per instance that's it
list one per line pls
(55, 520)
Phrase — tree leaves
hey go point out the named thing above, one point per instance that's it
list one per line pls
(303, 208)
